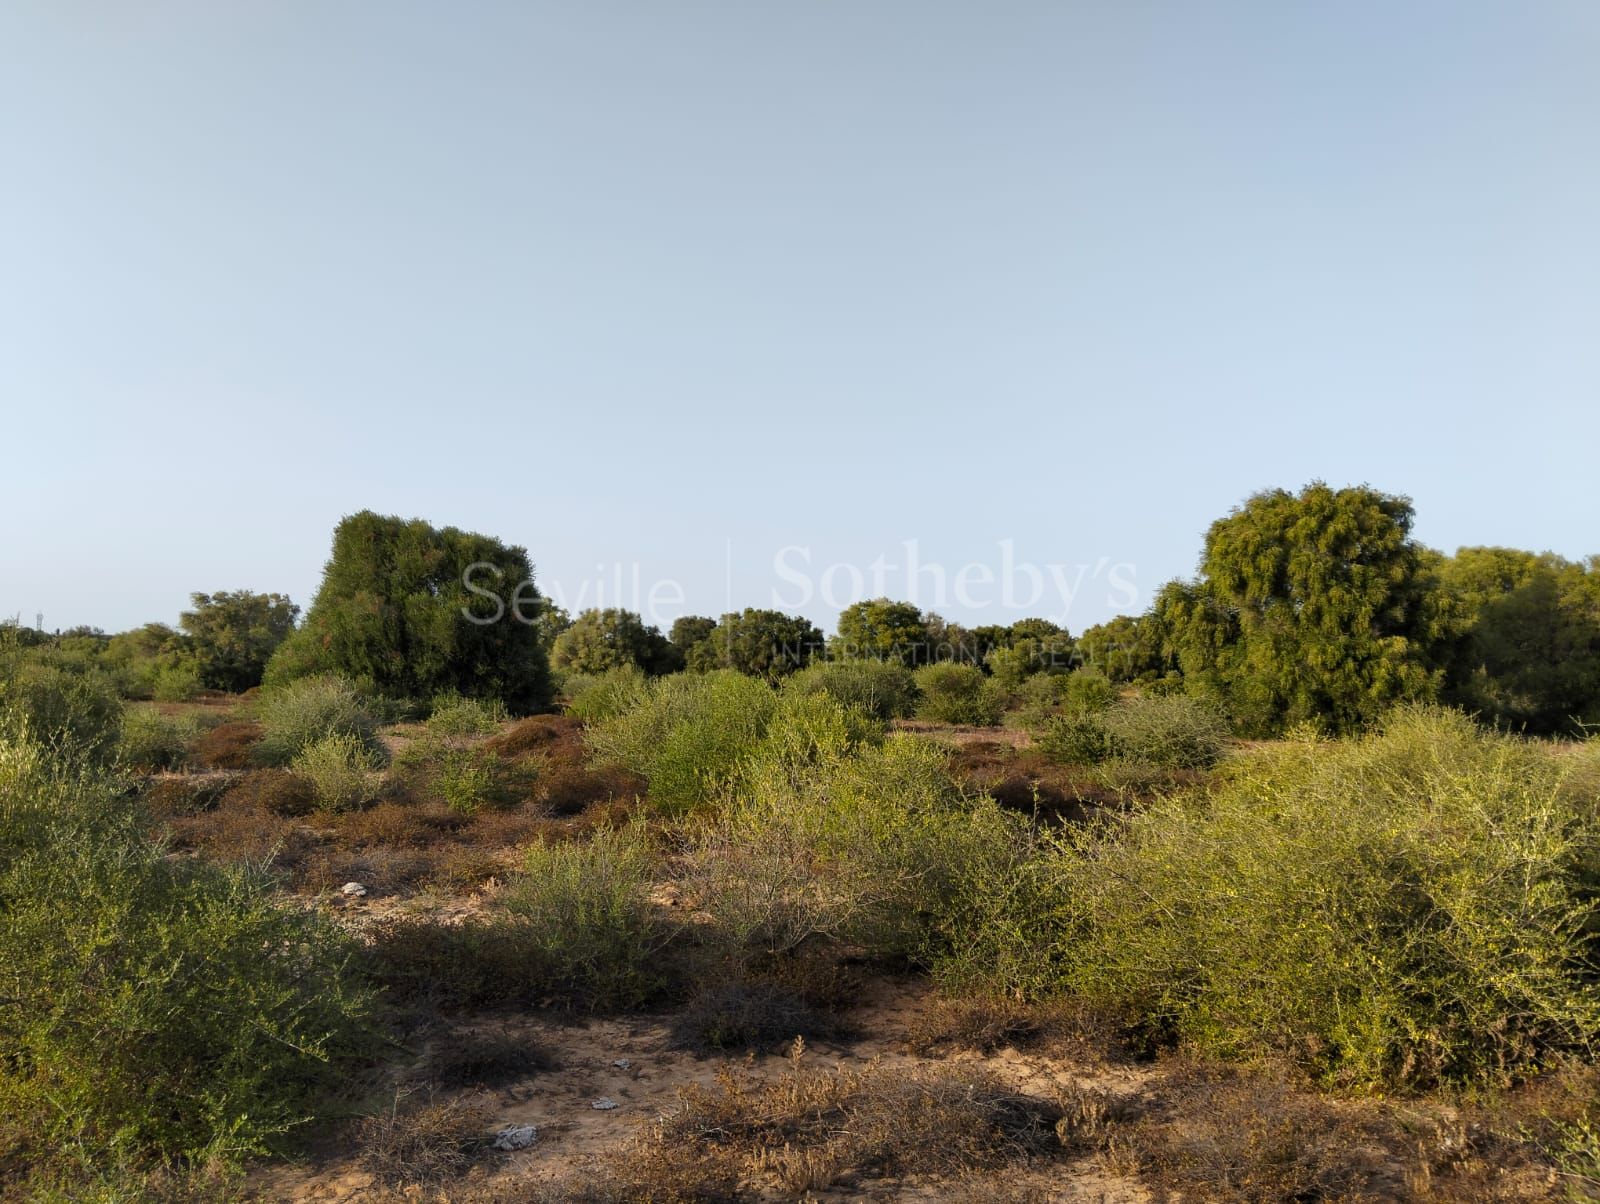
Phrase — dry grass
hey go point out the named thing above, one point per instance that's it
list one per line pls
(1217, 1132)
(816, 1130)
(426, 1142)
(988, 1023)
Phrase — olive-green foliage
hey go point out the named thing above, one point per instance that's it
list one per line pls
(392, 615)
(453, 715)
(233, 634)
(147, 658)
(152, 1006)
(304, 711)
(596, 697)
(687, 734)
(882, 688)
(471, 778)
(762, 643)
(601, 640)
(687, 632)
(1173, 733)
(1074, 738)
(872, 844)
(1527, 652)
(881, 630)
(956, 693)
(1124, 648)
(1407, 908)
(59, 700)
(177, 683)
(1311, 606)
(464, 775)
(341, 769)
(1087, 691)
(152, 742)
(585, 907)
(1155, 732)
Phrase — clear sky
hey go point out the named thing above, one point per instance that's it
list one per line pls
(682, 285)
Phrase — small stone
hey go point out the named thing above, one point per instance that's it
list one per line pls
(603, 1104)
(516, 1137)
(622, 1064)
(353, 890)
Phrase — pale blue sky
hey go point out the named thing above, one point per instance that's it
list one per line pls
(683, 284)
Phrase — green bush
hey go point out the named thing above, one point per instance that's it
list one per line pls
(1075, 740)
(176, 683)
(69, 708)
(469, 779)
(152, 742)
(152, 1006)
(1173, 733)
(588, 916)
(956, 693)
(1142, 733)
(341, 770)
(298, 714)
(1086, 691)
(453, 715)
(1409, 908)
(595, 697)
(871, 845)
(687, 734)
(882, 688)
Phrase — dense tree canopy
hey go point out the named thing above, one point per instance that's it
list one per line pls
(599, 640)
(1123, 648)
(1309, 607)
(763, 643)
(233, 635)
(410, 610)
(1527, 652)
(882, 630)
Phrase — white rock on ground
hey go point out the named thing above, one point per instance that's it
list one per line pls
(353, 889)
(516, 1137)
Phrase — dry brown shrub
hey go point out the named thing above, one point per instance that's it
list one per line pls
(557, 737)
(400, 825)
(382, 870)
(226, 746)
(242, 831)
(567, 789)
(274, 790)
(424, 1142)
(171, 797)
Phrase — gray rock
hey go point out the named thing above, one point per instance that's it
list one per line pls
(516, 1137)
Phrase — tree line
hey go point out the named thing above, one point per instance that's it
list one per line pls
(1317, 607)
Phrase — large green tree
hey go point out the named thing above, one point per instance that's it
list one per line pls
(882, 630)
(234, 633)
(762, 643)
(612, 638)
(1527, 650)
(1316, 606)
(411, 610)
